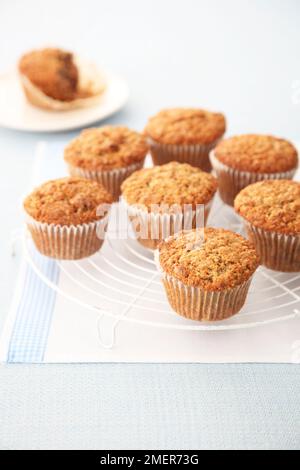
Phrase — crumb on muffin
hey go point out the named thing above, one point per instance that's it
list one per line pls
(257, 153)
(222, 261)
(106, 148)
(53, 71)
(67, 201)
(173, 183)
(273, 205)
(186, 126)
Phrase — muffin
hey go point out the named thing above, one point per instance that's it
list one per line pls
(206, 273)
(106, 154)
(246, 159)
(271, 212)
(58, 80)
(185, 135)
(165, 199)
(67, 217)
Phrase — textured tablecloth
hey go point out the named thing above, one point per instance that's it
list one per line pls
(157, 406)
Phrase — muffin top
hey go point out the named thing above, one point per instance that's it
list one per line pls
(272, 205)
(106, 148)
(67, 201)
(173, 183)
(213, 259)
(186, 126)
(257, 153)
(53, 71)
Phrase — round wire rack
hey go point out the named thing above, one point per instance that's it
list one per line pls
(121, 282)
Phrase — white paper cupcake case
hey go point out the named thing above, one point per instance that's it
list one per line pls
(198, 304)
(277, 251)
(232, 181)
(194, 154)
(110, 179)
(157, 227)
(67, 242)
(36, 97)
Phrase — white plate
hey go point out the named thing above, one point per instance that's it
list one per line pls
(17, 113)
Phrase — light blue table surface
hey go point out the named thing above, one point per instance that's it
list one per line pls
(239, 57)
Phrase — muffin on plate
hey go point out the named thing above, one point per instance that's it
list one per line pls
(166, 199)
(207, 273)
(271, 213)
(58, 80)
(246, 159)
(185, 135)
(106, 154)
(67, 217)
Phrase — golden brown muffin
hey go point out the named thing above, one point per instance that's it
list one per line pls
(272, 205)
(57, 80)
(173, 183)
(186, 126)
(247, 159)
(222, 260)
(257, 153)
(67, 217)
(106, 154)
(106, 148)
(66, 201)
(185, 135)
(53, 71)
(165, 199)
(271, 211)
(207, 273)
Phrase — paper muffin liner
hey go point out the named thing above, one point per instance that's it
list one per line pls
(231, 181)
(158, 227)
(277, 251)
(91, 81)
(110, 179)
(67, 242)
(195, 154)
(37, 98)
(199, 304)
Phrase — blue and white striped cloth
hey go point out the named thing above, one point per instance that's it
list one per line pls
(34, 311)
(36, 301)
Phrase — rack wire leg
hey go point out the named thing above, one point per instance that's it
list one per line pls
(111, 324)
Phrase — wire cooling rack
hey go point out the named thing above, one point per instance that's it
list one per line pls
(121, 283)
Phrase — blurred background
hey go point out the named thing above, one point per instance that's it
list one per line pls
(240, 57)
